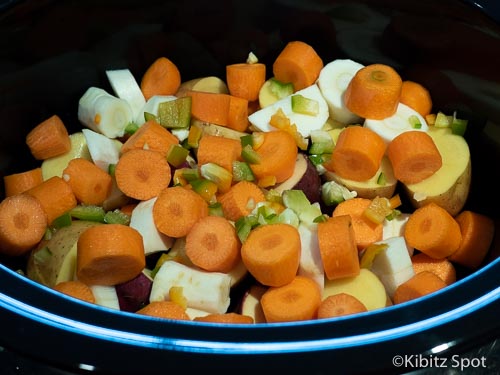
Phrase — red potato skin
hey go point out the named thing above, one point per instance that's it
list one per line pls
(134, 294)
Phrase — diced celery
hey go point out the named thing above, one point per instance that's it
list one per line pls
(305, 106)
(175, 114)
(332, 193)
(319, 159)
(415, 122)
(381, 180)
(149, 116)
(88, 212)
(194, 136)
(62, 221)
(190, 174)
(131, 128)
(116, 217)
(43, 255)
(215, 209)
(243, 227)
(217, 174)
(111, 169)
(242, 171)
(281, 89)
(288, 216)
(442, 121)
(458, 126)
(297, 201)
(321, 142)
(205, 188)
(177, 155)
(246, 140)
(249, 155)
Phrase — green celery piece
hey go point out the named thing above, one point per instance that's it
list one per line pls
(249, 155)
(111, 169)
(175, 114)
(305, 106)
(177, 155)
(381, 180)
(116, 217)
(297, 201)
(88, 212)
(215, 209)
(131, 128)
(321, 143)
(246, 140)
(415, 122)
(458, 126)
(190, 174)
(242, 171)
(149, 116)
(43, 255)
(333, 193)
(243, 228)
(442, 121)
(281, 89)
(217, 174)
(62, 221)
(319, 159)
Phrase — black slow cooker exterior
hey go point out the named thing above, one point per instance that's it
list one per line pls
(52, 51)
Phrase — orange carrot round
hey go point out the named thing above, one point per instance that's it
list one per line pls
(90, 184)
(366, 231)
(161, 78)
(241, 199)
(142, 174)
(23, 222)
(338, 248)
(299, 64)
(18, 183)
(374, 92)
(417, 97)
(177, 209)
(213, 245)
(278, 154)
(56, 197)
(109, 254)
(225, 318)
(153, 136)
(76, 289)
(164, 310)
(414, 156)
(441, 267)
(477, 235)
(245, 80)
(219, 150)
(432, 230)
(357, 154)
(271, 253)
(296, 301)
(339, 305)
(423, 283)
(210, 107)
(48, 139)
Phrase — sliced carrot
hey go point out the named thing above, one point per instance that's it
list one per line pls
(241, 199)
(90, 184)
(366, 231)
(296, 301)
(477, 235)
(219, 150)
(299, 64)
(271, 253)
(414, 156)
(164, 310)
(423, 283)
(151, 136)
(441, 267)
(277, 154)
(18, 183)
(76, 289)
(22, 224)
(340, 304)
(210, 107)
(225, 318)
(338, 248)
(374, 92)
(161, 78)
(417, 97)
(177, 209)
(142, 174)
(109, 254)
(237, 118)
(357, 154)
(48, 139)
(432, 230)
(56, 197)
(245, 80)
(213, 245)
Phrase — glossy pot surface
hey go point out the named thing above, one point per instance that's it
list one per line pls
(52, 51)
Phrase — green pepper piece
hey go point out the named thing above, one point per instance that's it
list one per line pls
(175, 114)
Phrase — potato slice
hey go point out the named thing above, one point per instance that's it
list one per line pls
(449, 186)
(54, 260)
